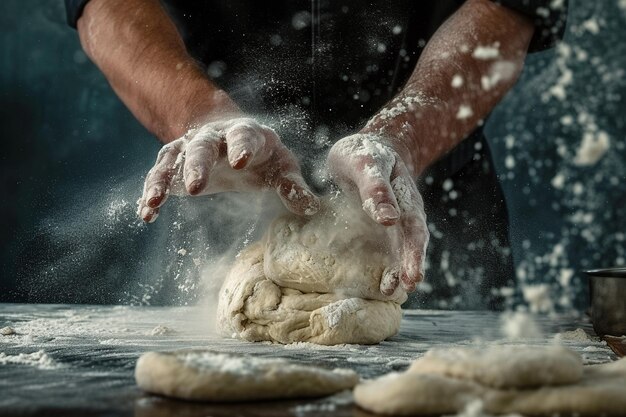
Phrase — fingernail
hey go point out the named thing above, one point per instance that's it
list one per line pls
(240, 160)
(386, 212)
(154, 196)
(145, 211)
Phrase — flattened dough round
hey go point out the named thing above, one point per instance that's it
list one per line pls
(600, 391)
(208, 376)
(504, 366)
(312, 280)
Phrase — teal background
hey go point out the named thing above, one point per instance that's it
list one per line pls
(72, 160)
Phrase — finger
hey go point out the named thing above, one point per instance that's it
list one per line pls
(201, 155)
(367, 164)
(243, 140)
(296, 195)
(389, 281)
(378, 200)
(414, 230)
(159, 178)
(147, 214)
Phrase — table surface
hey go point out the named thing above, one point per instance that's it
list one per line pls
(78, 360)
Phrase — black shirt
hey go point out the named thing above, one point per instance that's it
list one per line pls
(323, 67)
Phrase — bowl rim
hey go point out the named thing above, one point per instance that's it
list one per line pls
(618, 272)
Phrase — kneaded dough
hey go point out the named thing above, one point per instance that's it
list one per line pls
(313, 280)
(208, 376)
(504, 366)
(601, 390)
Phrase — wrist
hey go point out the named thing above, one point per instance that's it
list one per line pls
(197, 101)
(402, 140)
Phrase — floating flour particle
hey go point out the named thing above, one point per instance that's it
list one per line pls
(519, 326)
(464, 112)
(486, 52)
(592, 26)
(538, 298)
(39, 359)
(558, 181)
(592, 148)
(457, 81)
(7, 331)
(162, 331)
(578, 335)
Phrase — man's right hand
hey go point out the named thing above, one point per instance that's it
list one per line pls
(232, 155)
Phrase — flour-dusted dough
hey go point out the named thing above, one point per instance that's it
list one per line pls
(600, 391)
(313, 280)
(208, 376)
(504, 366)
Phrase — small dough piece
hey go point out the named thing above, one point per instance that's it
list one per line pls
(600, 391)
(313, 280)
(208, 376)
(504, 366)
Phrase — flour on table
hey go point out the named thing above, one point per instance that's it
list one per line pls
(39, 359)
(444, 387)
(7, 331)
(161, 330)
(208, 376)
(313, 280)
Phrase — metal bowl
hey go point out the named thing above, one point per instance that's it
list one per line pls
(607, 289)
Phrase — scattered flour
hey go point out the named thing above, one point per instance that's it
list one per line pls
(7, 331)
(538, 298)
(476, 409)
(457, 81)
(592, 148)
(519, 325)
(39, 359)
(333, 313)
(578, 335)
(465, 112)
(324, 406)
(486, 52)
(161, 330)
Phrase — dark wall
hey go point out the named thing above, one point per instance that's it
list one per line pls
(73, 158)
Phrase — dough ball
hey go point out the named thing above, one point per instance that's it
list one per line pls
(337, 251)
(207, 376)
(313, 280)
(504, 366)
(254, 308)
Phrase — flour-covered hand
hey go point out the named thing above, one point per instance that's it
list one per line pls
(370, 165)
(233, 155)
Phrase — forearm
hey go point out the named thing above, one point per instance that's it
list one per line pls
(455, 83)
(137, 47)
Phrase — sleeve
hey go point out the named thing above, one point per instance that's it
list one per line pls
(549, 17)
(73, 10)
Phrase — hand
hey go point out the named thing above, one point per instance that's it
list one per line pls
(233, 155)
(369, 164)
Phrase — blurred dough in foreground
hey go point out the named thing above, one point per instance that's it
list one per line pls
(203, 375)
(436, 384)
